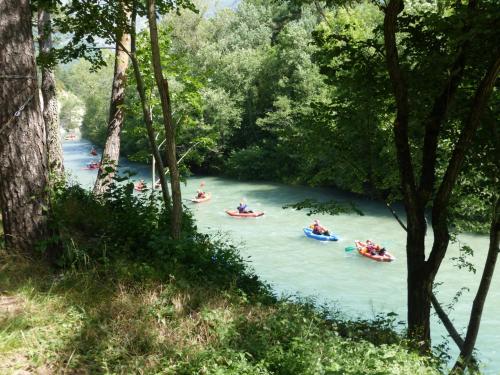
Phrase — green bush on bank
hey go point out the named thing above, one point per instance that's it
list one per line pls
(123, 226)
(131, 300)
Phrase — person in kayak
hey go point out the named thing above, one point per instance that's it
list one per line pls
(140, 185)
(243, 209)
(373, 248)
(200, 194)
(93, 151)
(318, 229)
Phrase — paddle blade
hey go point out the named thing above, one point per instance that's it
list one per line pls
(350, 248)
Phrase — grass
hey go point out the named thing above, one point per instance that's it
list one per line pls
(96, 322)
(127, 299)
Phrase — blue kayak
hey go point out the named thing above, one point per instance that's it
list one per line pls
(309, 233)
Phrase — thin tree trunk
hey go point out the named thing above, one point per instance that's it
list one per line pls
(23, 147)
(147, 116)
(111, 152)
(166, 107)
(477, 306)
(50, 103)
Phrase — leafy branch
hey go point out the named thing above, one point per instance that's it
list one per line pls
(331, 207)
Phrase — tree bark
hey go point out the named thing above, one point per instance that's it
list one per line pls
(166, 107)
(23, 142)
(421, 273)
(465, 358)
(111, 152)
(146, 112)
(50, 103)
(419, 284)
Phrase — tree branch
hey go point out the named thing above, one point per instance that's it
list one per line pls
(396, 216)
(437, 116)
(439, 209)
(400, 91)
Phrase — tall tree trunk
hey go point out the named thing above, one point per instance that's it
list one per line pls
(484, 286)
(50, 103)
(111, 153)
(23, 148)
(421, 273)
(166, 107)
(418, 281)
(146, 113)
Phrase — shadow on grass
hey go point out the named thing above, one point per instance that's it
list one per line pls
(100, 322)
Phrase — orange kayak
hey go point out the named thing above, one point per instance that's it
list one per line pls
(200, 200)
(387, 257)
(235, 213)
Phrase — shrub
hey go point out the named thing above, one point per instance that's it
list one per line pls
(122, 227)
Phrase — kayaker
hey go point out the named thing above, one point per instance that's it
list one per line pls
(140, 185)
(200, 194)
(243, 209)
(93, 151)
(374, 249)
(318, 229)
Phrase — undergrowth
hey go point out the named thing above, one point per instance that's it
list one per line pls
(129, 300)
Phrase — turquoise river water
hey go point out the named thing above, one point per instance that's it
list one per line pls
(295, 265)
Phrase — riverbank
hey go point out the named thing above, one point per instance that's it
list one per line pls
(96, 322)
(126, 298)
(294, 265)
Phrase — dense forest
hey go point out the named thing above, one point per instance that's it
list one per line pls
(397, 101)
(280, 91)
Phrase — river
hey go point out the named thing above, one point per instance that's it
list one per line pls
(295, 265)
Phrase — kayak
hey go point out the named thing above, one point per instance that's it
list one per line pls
(139, 188)
(93, 153)
(387, 257)
(309, 233)
(235, 213)
(200, 200)
(92, 166)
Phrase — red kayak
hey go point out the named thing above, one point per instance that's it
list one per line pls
(235, 213)
(92, 166)
(139, 188)
(93, 153)
(200, 200)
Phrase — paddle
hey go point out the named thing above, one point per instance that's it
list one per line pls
(350, 248)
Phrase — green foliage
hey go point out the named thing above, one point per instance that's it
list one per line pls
(332, 207)
(253, 163)
(92, 90)
(106, 322)
(130, 299)
(122, 226)
(298, 92)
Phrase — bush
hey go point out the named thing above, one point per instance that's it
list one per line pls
(253, 163)
(122, 227)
